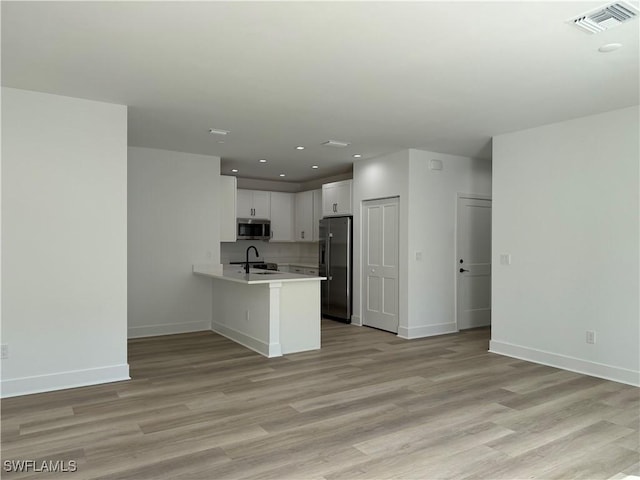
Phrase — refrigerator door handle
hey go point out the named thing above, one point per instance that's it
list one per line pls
(349, 263)
(329, 237)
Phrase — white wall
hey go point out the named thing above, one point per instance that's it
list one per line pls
(381, 177)
(433, 198)
(565, 206)
(173, 223)
(428, 202)
(268, 185)
(64, 242)
(317, 183)
(293, 187)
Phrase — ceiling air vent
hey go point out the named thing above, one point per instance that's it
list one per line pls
(336, 143)
(605, 17)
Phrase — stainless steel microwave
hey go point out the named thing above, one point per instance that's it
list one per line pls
(253, 229)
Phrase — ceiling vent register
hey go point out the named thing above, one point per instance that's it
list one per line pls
(606, 17)
(336, 143)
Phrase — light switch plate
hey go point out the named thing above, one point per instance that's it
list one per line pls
(505, 259)
(418, 256)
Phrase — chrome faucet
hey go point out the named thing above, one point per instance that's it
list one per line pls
(246, 265)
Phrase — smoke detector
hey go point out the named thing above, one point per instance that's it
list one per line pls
(605, 17)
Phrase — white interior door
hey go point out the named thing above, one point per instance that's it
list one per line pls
(380, 263)
(473, 263)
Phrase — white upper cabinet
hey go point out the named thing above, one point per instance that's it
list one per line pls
(304, 216)
(227, 203)
(254, 204)
(308, 215)
(282, 208)
(317, 213)
(336, 198)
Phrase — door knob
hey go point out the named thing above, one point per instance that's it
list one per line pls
(463, 270)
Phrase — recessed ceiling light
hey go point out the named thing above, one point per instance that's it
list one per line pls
(609, 47)
(314, 166)
(299, 147)
(234, 170)
(217, 131)
(262, 160)
(357, 155)
(282, 175)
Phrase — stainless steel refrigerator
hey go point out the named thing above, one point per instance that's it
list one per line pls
(335, 264)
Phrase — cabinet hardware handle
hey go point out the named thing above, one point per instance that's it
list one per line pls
(463, 270)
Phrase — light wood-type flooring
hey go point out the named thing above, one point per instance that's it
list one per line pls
(368, 405)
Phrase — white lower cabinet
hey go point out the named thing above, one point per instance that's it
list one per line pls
(301, 269)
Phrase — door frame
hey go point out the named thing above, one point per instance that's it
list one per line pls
(362, 273)
(470, 196)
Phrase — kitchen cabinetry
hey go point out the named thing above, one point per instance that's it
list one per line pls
(301, 269)
(336, 198)
(253, 204)
(304, 217)
(282, 216)
(227, 204)
(317, 213)
(308, 215)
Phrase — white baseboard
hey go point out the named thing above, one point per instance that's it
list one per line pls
(63, 380)
(578, 365)
(167, 329)
(263, 348)
(427, 330)
(355, 320)
(477, 324)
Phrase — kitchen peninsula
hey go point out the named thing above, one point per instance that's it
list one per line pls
(273, 313)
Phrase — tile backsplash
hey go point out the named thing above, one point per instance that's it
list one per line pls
(290, 252)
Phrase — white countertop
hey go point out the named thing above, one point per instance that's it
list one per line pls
(255, 276)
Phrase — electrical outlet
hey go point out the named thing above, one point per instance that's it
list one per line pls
(591, 337)
(4, 351)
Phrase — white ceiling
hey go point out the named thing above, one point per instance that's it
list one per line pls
(385, 76)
